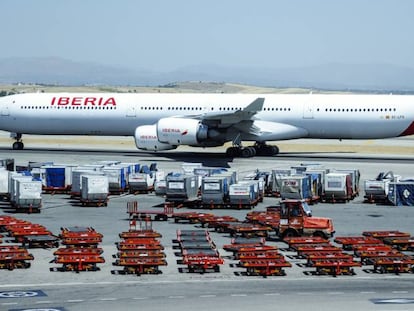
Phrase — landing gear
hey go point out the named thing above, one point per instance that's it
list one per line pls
(18, 144)
(259, 148)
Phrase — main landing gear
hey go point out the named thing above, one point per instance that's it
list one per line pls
(260, 149)
(18, 144)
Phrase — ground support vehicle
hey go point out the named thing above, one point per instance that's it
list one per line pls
(401, 243)
(335, 266)
(348, 243)
(12, 257)
(293, 241)
(198, 251)
(139, 252)
(393, 264)
(271, 217)
(40, 241)
(135, 212)
(78, 262)
(296, 220)
(212, 221)
(80, 236)
(248, 230)
(303, 250)
(386, 234)
(265, 267)
(189, 217)
(81, 253)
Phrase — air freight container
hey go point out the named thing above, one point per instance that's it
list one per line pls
(116, 178)
(322, 173)
(355, 179)
(296, 187)
(28, 194)
(377, 189)
(303, 167)
(13, 179)
(242, 194)
(276, 179)
(160, 184)
(8, 164)
(401, 193)
(338, 186)
(315, 184)
(138, 182)
(4, 182)
(57, 176)
(188, 167)
(95, 189)
(181, 188)
(77, 179)
(214, 190)
(264, 178)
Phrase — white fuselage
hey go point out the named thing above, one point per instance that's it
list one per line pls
(322, 116)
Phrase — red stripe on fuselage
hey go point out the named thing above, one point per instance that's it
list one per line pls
(409, 130)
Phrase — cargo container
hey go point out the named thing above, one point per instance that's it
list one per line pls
(116, 178)
(13, 177)
(27, 194)
(376, 190)
(315, 184)
(355, 179)
(401, 193)
(276, 179)
(56, 177)
(95, 190)
(243, 194)
(188, 167)
(8, 164)
(338, 186)
(181, 188)
(215, 190)
(141, 182)
(4, 183)
(296, 187)
(160, 184)
(77, 179)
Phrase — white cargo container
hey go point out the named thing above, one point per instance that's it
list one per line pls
(77, 179)
(28, 194)
(95, 189)
(338, 186)
(14, 178)
(141, 182)
(355, 178)
(160, 184)
(276, 179)
(377, 189)
(242, 194)
(116, 178)
(4, 182)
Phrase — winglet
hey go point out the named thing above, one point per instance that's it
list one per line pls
(255, 106)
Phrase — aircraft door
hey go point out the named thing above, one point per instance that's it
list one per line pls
(131, 113)
(308, 108)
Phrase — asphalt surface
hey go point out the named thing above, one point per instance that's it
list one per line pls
(230, 289)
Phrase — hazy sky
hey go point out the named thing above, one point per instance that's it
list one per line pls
(165, 35)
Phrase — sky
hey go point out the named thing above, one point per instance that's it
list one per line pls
(164, 35)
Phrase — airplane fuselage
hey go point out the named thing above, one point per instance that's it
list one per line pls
(116, 114)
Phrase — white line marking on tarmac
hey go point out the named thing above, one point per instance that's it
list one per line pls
(75, 300)
(238, 295)
(139, 298)
(43, 301)
(367, 292)
(335, 293)
(400, 292)
(272, 294)
(176, 297)
(9, 303)
(207, 296)
(108, 299)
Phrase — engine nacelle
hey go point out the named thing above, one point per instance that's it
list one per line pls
(146, 139)
(181, 131)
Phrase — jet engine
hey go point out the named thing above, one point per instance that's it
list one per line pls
(181, 131)
(146, 139)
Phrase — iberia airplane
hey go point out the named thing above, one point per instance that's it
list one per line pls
(165, 121)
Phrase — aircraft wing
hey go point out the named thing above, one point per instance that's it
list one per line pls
(229, 118)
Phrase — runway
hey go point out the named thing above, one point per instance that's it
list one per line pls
(227, 290)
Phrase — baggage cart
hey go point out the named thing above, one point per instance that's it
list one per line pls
(260, 267)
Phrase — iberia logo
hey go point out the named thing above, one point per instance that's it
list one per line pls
(185, 132)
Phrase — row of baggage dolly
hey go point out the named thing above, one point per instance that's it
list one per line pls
(139, 251)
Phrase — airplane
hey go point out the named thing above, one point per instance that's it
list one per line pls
(160, 121)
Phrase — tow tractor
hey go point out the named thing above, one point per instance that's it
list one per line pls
(296, 220)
